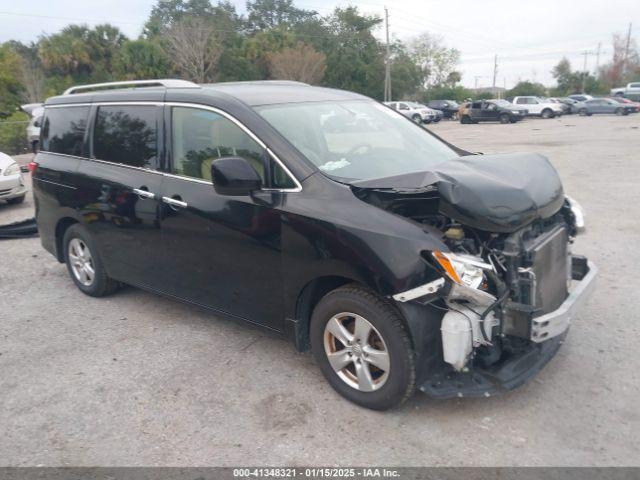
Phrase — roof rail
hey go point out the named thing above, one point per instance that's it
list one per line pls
(167, 83)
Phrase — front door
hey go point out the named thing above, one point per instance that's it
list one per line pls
(220, 251)
(117, 189)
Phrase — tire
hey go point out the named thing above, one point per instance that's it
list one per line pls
(547, 113)
(34, 146)
(583, 112)
(427, 121)
(620, 111)
(76, 241)
(357, 378)
(436, 120)
(465, 120)
(504, 118)
(417, 118)
(16, 200)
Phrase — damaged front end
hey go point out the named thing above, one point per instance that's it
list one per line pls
(509, 284)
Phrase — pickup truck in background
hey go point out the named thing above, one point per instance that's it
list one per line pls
(631, 91)
(539, 107)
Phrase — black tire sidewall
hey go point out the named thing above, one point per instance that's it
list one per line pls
(504, 118)
(98, 285)
(400, 382)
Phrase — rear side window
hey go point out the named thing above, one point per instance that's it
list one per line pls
(127, 135)
(63, 130)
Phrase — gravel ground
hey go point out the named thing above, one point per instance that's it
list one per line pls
(135, 379)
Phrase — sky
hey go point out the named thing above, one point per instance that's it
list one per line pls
(529, 37)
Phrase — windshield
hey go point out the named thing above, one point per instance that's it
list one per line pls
(356, 140)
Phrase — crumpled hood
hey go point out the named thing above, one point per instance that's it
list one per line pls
(496, 193)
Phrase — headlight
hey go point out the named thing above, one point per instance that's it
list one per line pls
(12, 169)
(466, 270)
(578, 212)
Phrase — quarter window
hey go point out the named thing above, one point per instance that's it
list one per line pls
(201, 136)
(127, 135)
(63, 130)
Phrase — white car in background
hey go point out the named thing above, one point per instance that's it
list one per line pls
(12, 187)
(36, 110)
(416, 112)
(539, 107)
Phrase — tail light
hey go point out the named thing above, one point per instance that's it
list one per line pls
(32, 166)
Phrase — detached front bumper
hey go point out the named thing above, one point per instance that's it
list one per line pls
(548, 332)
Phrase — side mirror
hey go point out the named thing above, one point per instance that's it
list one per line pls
(234, 176)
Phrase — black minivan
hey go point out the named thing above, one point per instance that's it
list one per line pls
(402, 261)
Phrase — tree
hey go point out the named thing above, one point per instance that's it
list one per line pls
(435, 59)
(624, 67)
(141, 59)
(569, 81)
(194, 49)
(524, 88)
(302, 63)
(457, 93)
(81, 53)
(355, 59)
(266, 14)
(10, 86)
(406, 76)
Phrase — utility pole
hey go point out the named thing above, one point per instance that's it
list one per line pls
(626, 51)
(584, 69)
(495, 71)
(598, 58)
(387, 67)
(476, 81)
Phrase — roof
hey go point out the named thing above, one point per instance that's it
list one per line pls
(250, 93)
(277, 92)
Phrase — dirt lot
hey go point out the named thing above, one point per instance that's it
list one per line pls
(135, 379)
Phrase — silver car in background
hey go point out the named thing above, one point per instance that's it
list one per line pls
(416, 112)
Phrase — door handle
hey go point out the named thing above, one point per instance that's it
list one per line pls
(175, 203)
(144, 193)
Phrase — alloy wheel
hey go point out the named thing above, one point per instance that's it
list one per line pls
(81, 262)
(356, 351)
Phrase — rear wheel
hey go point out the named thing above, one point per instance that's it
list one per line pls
(465, 119)
(619, 111)
(84, 263)
(417, 118)
(547, 113)
(504, 118)
(363, 348)
(583, 112)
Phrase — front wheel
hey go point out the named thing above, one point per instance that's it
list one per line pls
(417, 119)
(547, 113)
(363, 348)
(84, 263)
(620, 111)
(465, 119)
(504, 118)
(583, 112)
